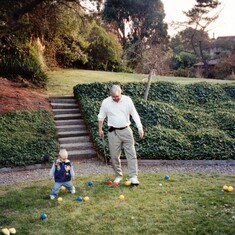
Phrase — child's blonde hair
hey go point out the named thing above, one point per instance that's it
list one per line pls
(63, 154)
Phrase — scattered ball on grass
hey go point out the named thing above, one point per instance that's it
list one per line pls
(230, 188)
(79, 198)
(166, 177)
(43, 216)
(60, 199)
(62, 188)
(225, 188)
(86, 199)
(5, 231)
(12, 230)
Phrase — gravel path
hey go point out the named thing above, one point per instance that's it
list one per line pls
(95, 166)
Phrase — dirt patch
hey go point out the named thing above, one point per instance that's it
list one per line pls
(15, 97)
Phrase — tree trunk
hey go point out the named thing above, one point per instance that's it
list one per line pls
(193, 45)
(203, 59)
(147, 87)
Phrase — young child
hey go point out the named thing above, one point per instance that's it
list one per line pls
(62, 171)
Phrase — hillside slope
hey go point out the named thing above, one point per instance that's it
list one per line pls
(15, 97)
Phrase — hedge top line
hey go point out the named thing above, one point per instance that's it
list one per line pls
(195, 93)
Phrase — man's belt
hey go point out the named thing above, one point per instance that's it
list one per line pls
(111, 128)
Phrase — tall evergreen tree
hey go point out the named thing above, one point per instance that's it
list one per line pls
(138, 23)
(199, 18)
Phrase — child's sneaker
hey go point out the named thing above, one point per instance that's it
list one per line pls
(52, 197)
(73, 191)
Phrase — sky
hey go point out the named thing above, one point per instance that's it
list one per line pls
(223, 26)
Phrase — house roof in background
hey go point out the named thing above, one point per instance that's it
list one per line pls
(226, 38)
(210, 62)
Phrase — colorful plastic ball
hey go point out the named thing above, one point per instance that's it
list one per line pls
(230, 188)
(225, 188)
(5, 231)
(166, 177)
(128, 183)
(62, 188)
(115, 184)
(79, 198)
(43, 216)
(122, 197)
(90, 183)
(60, 199)
(109, 182)
(86, 199)
(12, 230)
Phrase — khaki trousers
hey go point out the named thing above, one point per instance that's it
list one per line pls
(119, 139)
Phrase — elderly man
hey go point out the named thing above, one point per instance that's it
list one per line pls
(118, 108)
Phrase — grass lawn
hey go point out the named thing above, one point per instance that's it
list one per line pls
(190, 203)
(62, 81)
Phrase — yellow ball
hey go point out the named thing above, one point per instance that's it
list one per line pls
(5, 231)
(62, 188)
(86, 199)
(230, 188)
(128, 183)
(60, 199)
(121, 197)
(12, 230)
(225, 188)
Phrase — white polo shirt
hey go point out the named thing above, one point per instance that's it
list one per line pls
(118, 113)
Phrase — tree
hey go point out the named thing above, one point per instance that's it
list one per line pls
(137, 23)
(62, 27)
(155, 61)
(199, 17)
(104, 49)
(225, 43)
(185, 50)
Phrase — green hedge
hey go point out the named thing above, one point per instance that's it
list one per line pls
(26, 137)
(195, 121)
(22, 61)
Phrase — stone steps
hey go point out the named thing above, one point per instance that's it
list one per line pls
(71, 129)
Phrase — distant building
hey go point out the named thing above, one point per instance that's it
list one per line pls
(211, 63)
(221, 47)
(225, 38)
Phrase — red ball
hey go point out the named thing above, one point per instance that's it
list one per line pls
(109, 182)
(115, 184)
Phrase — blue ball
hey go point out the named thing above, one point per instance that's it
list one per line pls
(90, 183)
(166, 177)
(43, 216)
(79, 198)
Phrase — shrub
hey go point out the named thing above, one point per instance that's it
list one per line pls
(226, 122)
(21, 61)
(229, 90)
(211, 143)
(26, 137)
(172, 93)
(160, 113)
(180, 122)
(202, 93)
(163, 143)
